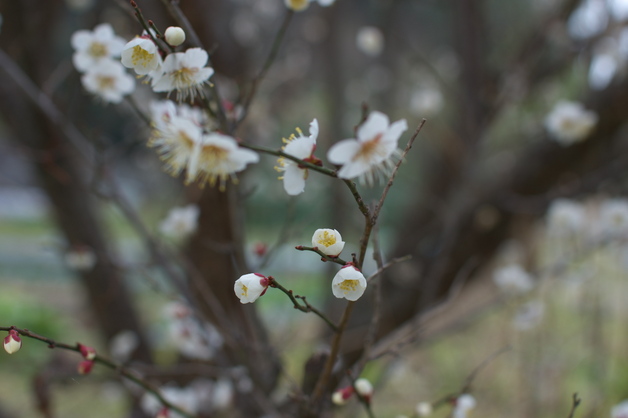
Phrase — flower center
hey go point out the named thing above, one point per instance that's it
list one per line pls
(98, 50)
(349, 285)
(106, 83)
(184, 77)
(213, 154)
(368, 148)
(140, 55)
(245, 291)
(327, 239)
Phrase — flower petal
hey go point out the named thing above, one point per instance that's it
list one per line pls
(294, 180)
(375, 124)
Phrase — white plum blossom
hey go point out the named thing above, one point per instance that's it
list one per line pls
(328, 241)
(123, 344)
(142, 55)
(565, 217)
(620, 410)
(426, 101)
(184, 72)
(190, 336)
(109, 81)
(513, 279)
(370, 40)
(463, 405)
(94, 47)
(349, 283)
(370, 153)
(174, 35)
(614, 217)
(250, 287)
(182, 144)
(569, 122)
(301, 147)
(180, 222)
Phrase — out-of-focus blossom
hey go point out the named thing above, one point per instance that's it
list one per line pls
(108, 81)
(364, 388)
(180, 222)
(370, 40)
(565, 217)
(426, 101)
(463, 405)
(588, 20)
(570, 122)
(297, 5)
(184, 398)
(424, 409)
(341, 396)
(513, 280)
(80, 258)
(529, 315)
(92, 48)
(620, 410)
(85, 367)
(123, 344)
(614, 217)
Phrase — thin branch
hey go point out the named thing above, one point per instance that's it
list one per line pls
(386, 266)
(324, 257)
(306, 307)
(379, 206)
(117, 367)
(575, 403)
(272, 55)
(278, 153)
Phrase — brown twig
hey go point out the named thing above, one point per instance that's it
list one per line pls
(575, 403)
(324, 257)
(117, 367)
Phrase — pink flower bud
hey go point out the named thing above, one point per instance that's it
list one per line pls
(88, 352)
(341, 396)
(163, 413)
(364, 388)
(85, 366)
(12, 342)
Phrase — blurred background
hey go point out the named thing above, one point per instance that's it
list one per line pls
(512, 209)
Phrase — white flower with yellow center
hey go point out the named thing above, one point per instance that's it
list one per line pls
(250, 287)
(349, 283)
(141, 54)
(93, 47)
(301, 147)
(569, 122)
(184, 72)
(212, 158)
(328, 241)
(370, 153)
(109, 81)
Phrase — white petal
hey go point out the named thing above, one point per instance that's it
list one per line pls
(395, 130)
(353, 169)
(375, 124)
(300, 147)
(314, 129)
(343, 151)
(195, 57)
(294, 179)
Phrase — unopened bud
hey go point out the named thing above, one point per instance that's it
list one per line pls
(12, 342)
(364, 388)
(85, 366)
(341, 396)
(163, 413)
(88, 352)
(174, 35)
(297, 5)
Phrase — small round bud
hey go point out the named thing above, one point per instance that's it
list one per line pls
(175, 36)
(364, 388)
(12, 342)
(297, 5)
(85, 366)
(89, 353)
